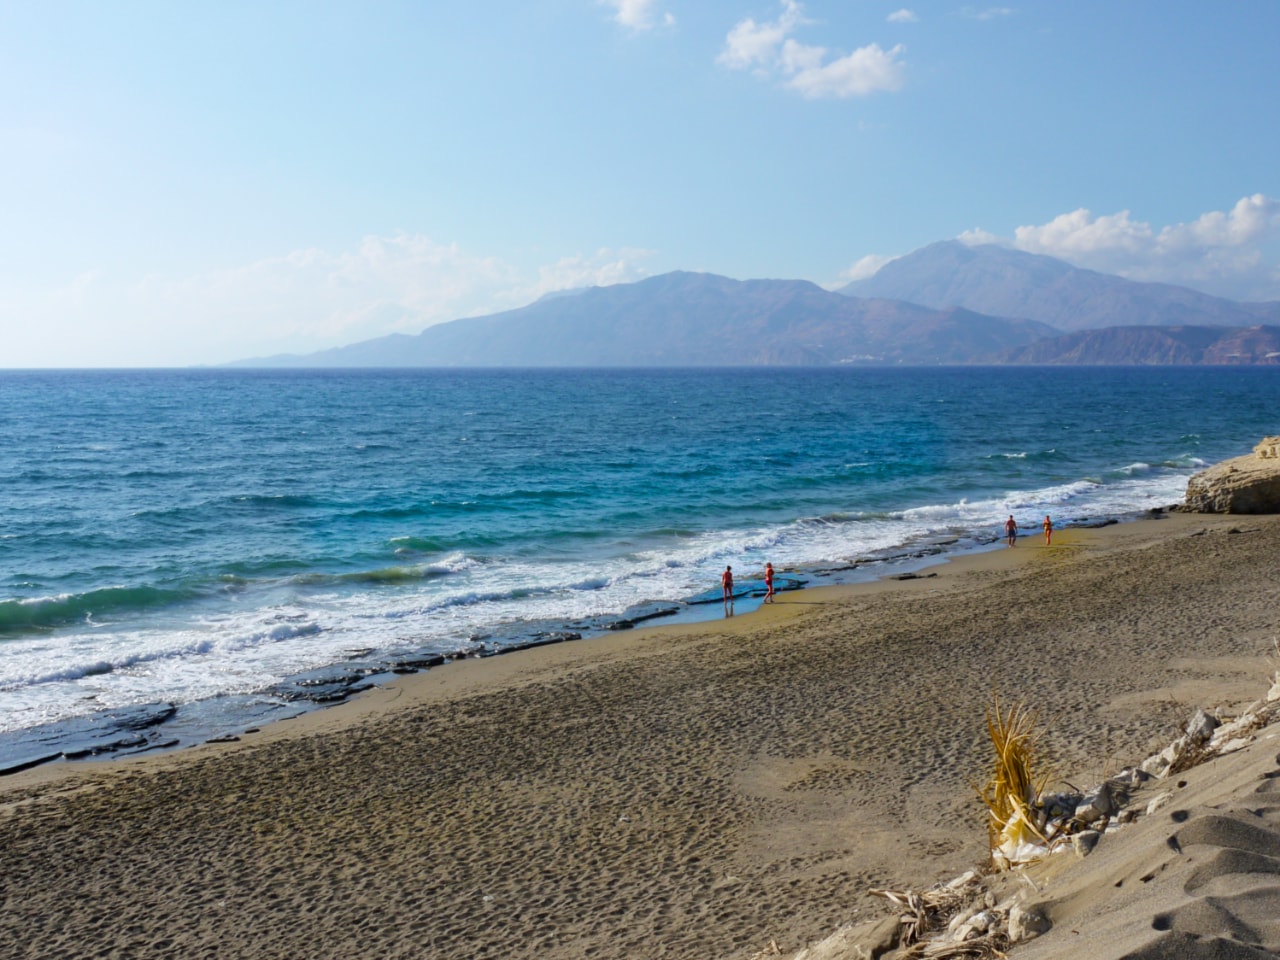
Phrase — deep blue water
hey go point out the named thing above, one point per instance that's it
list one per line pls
(220, 540)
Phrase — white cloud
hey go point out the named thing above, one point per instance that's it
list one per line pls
(768, 49)
(638, 14)
(299, 302)
(988, 13)
(903, 16)
(867, 70)
(604, 269)
(977, 237)
(868, 266)
(1220, 251)
(751, 44)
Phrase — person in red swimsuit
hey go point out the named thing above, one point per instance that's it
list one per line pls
(726, 585)
(768, 583)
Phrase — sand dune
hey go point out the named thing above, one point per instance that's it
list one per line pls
(1197, 878)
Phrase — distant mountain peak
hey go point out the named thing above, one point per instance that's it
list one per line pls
(1001, 281)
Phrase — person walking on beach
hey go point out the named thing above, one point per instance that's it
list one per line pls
(726, 586)
(1011, 530)
(768, 583)
(1048, 529)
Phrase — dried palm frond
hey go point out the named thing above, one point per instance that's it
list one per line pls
(1015, 785)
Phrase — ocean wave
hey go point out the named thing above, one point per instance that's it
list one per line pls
(96, 669)
(1032, 455)
(273, 500)
(385, 575)
(202, 647)
(1134, 468)
(45, 613)
(410, 544)
(1185, 462)
(536, 494)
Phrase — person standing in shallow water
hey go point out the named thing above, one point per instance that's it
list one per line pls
(1048, 529)
(768, 583)
(1011, 530)
(726, 586)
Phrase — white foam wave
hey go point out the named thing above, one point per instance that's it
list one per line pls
(281, 633)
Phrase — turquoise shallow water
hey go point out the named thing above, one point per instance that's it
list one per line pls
(227, 542)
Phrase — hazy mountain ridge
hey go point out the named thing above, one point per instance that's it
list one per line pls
(948, 303)
(694, 319)
(1010, 283)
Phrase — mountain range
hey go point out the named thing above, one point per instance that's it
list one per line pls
(1010, 283)
(948, 303)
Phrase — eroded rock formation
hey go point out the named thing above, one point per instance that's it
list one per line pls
(1248, 484)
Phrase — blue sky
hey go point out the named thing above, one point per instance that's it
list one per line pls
(187, 183)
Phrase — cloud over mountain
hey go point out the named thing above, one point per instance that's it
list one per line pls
(1222, 252)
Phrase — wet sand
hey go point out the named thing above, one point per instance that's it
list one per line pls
(693, 791)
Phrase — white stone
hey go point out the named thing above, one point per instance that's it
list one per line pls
(975, 926)
(1154, 766)
(1201, 726)
(1158, 801)
(1095, 805)
(1026, 923)
(1131, 777)
(1084, 842)
(1174, 750)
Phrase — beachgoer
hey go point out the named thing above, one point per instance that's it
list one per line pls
(768, 583)
(1048, 529)
(726, 585)
(1011, 530)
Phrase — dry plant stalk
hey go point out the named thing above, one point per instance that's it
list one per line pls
(1014, 788)
(922, 912)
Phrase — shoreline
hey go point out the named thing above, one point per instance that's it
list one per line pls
(675, 790)
(173, 728)
(469, 675)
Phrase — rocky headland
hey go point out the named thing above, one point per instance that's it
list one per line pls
(1247, 484)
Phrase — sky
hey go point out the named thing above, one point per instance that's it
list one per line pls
(200, 182)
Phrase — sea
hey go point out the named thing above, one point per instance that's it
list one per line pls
(188, 554)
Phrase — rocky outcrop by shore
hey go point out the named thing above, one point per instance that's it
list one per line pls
(1248, 484)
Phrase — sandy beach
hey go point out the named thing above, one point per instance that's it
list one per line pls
(699, 791)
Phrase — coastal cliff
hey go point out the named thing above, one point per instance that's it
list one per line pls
(1248, 484)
